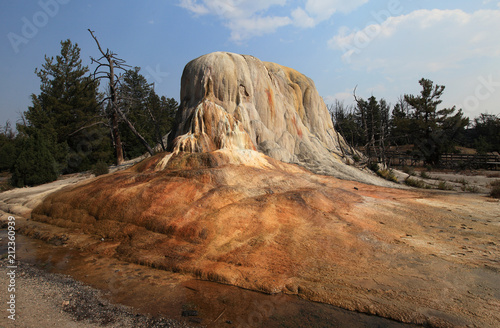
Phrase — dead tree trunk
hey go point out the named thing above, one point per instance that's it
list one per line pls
(115, 113)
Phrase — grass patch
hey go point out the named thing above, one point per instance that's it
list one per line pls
(425, 175)
(495, 189)
(416, 183)
(473, 189)
(495, 183)
(387, 174)
(444, 186)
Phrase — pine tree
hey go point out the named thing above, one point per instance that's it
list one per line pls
(433, 130)
(67, 110)
(35, 164)
(8, 148)
(400, 133)
(373, 118)
(152, 116)
(486, 132)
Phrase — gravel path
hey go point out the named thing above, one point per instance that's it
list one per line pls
(53, 300)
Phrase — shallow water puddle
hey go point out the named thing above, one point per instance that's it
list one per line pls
(176, 296)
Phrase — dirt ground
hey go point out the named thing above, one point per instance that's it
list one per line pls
(424, 257)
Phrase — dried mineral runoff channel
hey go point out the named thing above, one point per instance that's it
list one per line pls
(157, 293)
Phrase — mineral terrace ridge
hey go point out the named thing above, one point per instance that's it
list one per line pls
(228, 203)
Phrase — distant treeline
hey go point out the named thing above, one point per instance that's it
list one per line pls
(68, 129)
(416, 122)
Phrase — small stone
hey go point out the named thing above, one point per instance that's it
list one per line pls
(189, 313)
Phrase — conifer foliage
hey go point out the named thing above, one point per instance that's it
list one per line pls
(35, 164)
(68, 102)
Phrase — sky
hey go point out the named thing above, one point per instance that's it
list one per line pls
(381, 48)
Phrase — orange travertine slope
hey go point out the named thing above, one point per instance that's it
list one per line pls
(227, 205)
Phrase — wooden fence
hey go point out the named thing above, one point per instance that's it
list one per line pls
(451, 161)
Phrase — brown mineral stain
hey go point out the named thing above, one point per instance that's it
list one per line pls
(244, 219)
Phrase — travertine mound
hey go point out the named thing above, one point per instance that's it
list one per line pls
(242, 218)
(231, 101)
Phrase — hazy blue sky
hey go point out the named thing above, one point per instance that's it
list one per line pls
(383, 47)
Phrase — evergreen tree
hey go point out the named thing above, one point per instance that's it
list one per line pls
(152, 116)
(8, 147)
(400, 132)
(346, 124)
(35, 164)
(434, 131)
(373, 118)
(486, 133)
(67, 104)
(133, 94)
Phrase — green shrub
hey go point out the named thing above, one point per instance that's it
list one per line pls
(373, 166)
(416, 183)
(100, 168)
(387, 174)
(425, 175)
(495, 189)
(495, 192)
(444, 186)
(473, 189)
(35, 164)
(8, 155)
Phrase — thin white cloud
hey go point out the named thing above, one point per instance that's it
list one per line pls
(194, 7)
(316, 11)
(245, 18)
(249, 18)
(302, 19)
(256, 26)
(429, 40)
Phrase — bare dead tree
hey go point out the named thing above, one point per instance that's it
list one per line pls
(111, 62)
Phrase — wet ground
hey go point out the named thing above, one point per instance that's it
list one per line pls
(198, 303)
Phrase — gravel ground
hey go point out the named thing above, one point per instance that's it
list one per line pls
(53, 300)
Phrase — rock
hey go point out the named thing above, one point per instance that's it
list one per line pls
(189, 313)
(231, 101)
